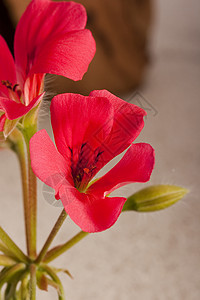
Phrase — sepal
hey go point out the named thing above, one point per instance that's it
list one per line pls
(9, 126)
(42, 281)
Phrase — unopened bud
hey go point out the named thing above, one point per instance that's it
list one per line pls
(154, 198)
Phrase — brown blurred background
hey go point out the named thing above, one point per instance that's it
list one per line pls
(143, 256)
(121, 29)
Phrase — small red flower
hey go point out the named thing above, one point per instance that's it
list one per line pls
(50, 38)
(89, 132)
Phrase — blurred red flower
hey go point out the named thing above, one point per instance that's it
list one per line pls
(50, 38)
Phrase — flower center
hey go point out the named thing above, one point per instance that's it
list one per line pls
(83, 165)
(14, 90)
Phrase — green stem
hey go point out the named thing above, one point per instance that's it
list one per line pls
(10, 273)
(19, 148)
(33, 209)
(32, 282)
(11, 292)
(6, 261)
(52, 235)
(6, 251)
(19, 140)
(57, 251)
(32, 194)
(24, 286)
(12, 246)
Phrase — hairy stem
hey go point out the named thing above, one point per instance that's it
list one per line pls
(32, 286)
(32, 195)
(19, 147)
(4, 237)
(52, 235)
(57, 251)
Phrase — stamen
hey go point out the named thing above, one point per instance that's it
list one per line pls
(86, 170)
(15, 91)
(83, 165)
(7, 84)
(15, 86)
(83, 145)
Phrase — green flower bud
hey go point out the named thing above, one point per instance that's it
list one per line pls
(154, 198)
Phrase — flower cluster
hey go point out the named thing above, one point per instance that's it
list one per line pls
(89, 131)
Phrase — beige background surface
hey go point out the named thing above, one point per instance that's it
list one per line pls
(144, 256)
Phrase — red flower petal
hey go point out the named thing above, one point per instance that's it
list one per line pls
(128, 123)
(77, 120)
(47, 163)
(91, 213)
(46, 40)
(135, 166)
(67, 55)
(7, 67)
(14, 110)
(33, 87)
(2, 122)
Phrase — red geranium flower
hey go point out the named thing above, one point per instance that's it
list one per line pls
(89, 132)
(50, 38)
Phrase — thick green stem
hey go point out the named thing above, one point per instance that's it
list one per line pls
(32, 195)
(32, 282)
(52, 235)
(12, 246)
(33, 211)
(19, 147)
(57, 251)
(19, 140)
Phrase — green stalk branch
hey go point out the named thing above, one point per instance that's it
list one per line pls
(28, 132)
(32, 286)
(24, 286)
(57, 251)
(52, 235)
(19, 147)
(16, 251)
(6, 251)
(6, 261)
(10, 273)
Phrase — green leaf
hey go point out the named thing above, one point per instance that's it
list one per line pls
(154, 198)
